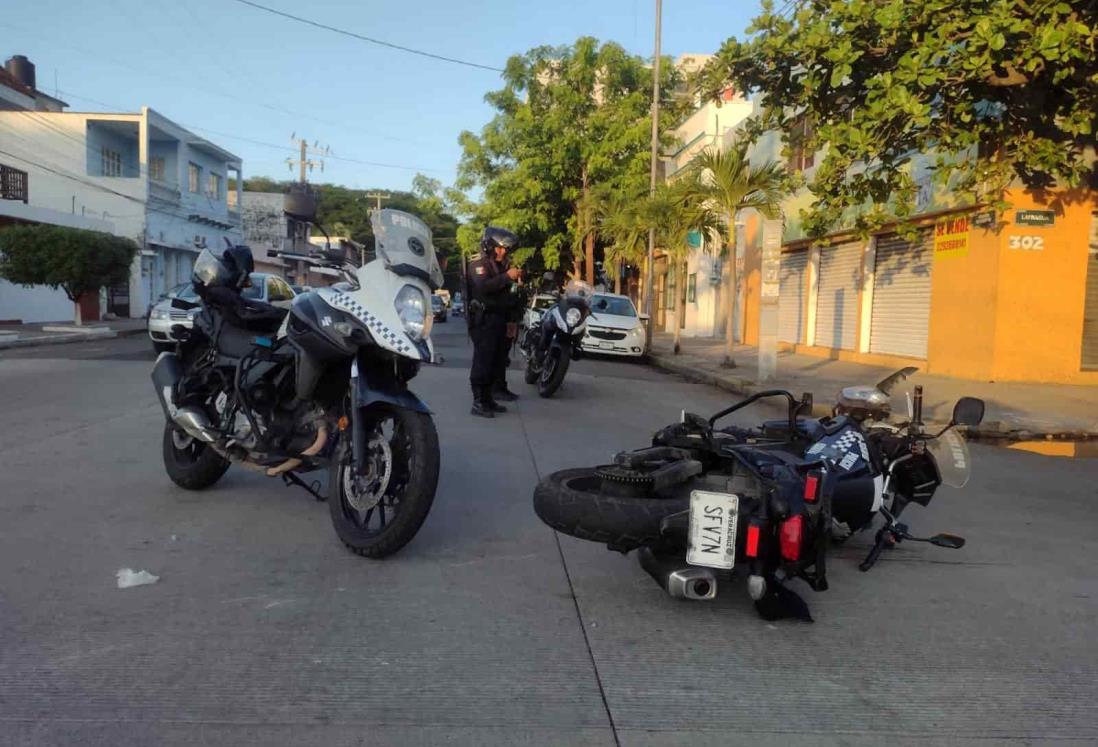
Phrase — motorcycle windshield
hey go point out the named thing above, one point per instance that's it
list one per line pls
(404, 244)
(950, 453)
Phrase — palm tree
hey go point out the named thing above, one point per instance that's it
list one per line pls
(624, 228)
(590, 210)
(675, 211)
(729, 182)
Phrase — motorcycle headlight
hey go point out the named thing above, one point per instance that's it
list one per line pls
(411, 307)
(573, 317)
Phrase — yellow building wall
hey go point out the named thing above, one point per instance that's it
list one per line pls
(752, 279)
(963, 307)
(1041, 293)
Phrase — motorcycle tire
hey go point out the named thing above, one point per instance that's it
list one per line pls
(552, 373)
(571, 501)
(420, 472)
(195, 466)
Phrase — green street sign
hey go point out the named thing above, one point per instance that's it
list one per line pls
(1034, 217)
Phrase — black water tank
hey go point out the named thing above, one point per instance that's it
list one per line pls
(22, 70)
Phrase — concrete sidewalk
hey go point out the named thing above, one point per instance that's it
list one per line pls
(59, 333)
(1014, 411)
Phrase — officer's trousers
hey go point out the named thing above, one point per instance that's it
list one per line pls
(489, 351)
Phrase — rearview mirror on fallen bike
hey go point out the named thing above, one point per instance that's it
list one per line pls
(300, 204)
(952, 541)
(968, 411)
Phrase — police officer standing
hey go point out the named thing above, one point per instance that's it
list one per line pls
(489, 281)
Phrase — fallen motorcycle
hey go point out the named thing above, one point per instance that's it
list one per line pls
(704, 502)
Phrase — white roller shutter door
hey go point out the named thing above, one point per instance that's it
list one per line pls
(901, 295)
(791, 301)
(837, 296)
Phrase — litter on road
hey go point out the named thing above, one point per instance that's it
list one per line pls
(128, 577)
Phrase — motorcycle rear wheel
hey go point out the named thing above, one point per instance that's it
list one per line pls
(381, 512)
(191, 464)
(571, 501)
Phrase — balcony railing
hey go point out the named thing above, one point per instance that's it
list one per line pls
(13, 184)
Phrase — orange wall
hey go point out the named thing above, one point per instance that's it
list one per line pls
(752, 278)
(963, 308)
(1041, 294)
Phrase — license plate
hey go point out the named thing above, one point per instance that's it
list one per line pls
(712, 538)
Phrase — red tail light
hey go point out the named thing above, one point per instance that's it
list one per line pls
(790, 539)
(811, 487)
(752, 548)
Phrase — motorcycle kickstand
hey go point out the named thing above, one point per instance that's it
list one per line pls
(289, 478)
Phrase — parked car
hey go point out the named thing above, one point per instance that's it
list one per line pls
(537, 307)
(615, 327)
(438, 306)
(267, 288)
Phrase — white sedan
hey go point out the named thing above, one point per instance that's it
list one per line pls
(162, 317)
(614, 327)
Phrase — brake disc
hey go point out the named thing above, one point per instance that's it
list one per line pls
(366, 491)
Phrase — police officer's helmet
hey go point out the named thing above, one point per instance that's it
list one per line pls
(494, 236)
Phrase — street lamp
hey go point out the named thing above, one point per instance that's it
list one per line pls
(652, 180)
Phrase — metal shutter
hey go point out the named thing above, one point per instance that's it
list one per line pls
(1090, 314)
(837, 296)
(791, 301)
(900, 323)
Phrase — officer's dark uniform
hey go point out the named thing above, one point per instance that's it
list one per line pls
(489, 311)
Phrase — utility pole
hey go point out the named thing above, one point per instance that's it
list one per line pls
(377, 196)
(652, 181)
(304, 162)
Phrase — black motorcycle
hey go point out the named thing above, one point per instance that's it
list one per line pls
(324, 386)
(550, 342)
(705, 501)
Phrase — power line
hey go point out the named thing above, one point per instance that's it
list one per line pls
(371, 40)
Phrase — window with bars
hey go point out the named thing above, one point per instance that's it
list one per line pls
(194, 177)
(156, 168)
(111, 161)
(213, 186)
(801, 156)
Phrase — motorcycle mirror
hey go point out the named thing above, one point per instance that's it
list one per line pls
(968, 411)
(952, 541)
(300, 204)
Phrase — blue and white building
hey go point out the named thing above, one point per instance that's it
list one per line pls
(138, 175)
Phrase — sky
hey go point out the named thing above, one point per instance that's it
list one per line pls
(249, 80)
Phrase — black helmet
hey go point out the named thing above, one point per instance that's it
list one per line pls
(494, 236)
(240, 263)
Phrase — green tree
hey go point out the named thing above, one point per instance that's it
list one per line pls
(675, 211)
(624, 228)
(567, 120)
(998, 90)
(727, 181)
(75, 260)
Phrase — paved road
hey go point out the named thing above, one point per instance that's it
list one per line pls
(489, 629)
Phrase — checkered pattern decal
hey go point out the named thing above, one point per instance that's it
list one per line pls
(844, 448)
(379, 329)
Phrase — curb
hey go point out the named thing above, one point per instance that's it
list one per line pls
(746, 387)
(63, 339)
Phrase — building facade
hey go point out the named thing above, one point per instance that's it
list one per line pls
(148, 178)
(971, 293)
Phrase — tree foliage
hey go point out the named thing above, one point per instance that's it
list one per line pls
(996, 90)
(73, 259)
(566, 118)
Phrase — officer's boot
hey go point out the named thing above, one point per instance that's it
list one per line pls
(480, 408)
(501, 392)
(489, 402)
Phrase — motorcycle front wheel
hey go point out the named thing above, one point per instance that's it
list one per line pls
(553, 371)
(377, 513)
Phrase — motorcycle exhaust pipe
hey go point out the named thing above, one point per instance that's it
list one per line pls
(677, 579)
(166, 374)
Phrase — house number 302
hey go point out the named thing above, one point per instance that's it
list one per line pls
(1033, 243)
